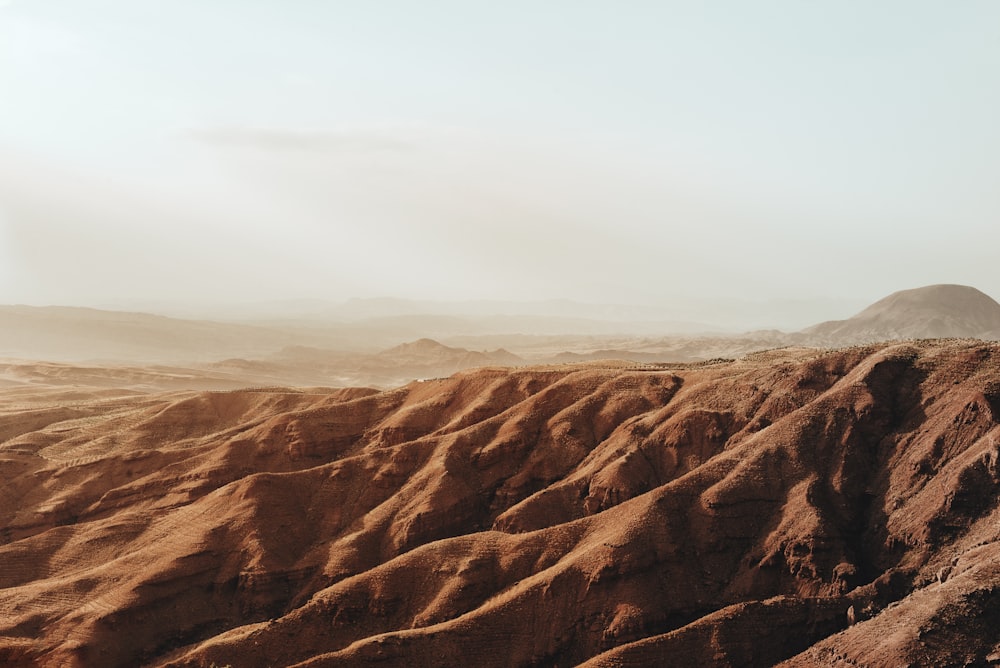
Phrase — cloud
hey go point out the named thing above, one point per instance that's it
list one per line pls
(269, 139)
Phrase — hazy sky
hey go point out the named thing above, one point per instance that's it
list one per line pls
(631, 152)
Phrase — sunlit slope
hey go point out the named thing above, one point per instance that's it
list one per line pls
(929, 312)
(745, 512)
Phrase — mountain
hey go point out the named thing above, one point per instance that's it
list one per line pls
(816, 508)
(380, 351)
(935, 311)
(76, 334)
(71, 334)
(430, 353)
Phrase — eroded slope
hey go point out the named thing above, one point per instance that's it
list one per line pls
(741, 512)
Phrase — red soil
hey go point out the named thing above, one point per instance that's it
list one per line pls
(819, 508)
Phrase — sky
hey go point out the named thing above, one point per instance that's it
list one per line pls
(650, 153)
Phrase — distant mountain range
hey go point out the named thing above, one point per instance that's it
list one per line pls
(384, 349)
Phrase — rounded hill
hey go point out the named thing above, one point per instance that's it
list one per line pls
(934, 311)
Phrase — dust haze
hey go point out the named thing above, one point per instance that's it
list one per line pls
(734, 167)
(493, 334)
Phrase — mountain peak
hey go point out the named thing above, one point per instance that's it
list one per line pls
(933, 311)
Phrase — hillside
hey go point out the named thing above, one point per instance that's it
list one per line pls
(830, 508)
(935, 311)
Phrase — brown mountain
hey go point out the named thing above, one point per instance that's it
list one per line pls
(833, 508)
(935, 311)
(429, 353)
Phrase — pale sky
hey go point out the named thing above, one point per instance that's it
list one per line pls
(627, 152)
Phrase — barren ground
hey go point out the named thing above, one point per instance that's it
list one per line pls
(819, 508)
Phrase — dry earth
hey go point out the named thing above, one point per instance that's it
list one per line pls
(819, 508)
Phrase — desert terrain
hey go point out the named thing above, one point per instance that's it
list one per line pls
(799, 505)
(388, 343)
(499, 334)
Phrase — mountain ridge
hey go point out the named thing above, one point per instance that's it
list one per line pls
(385, 351)
(792, 505)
